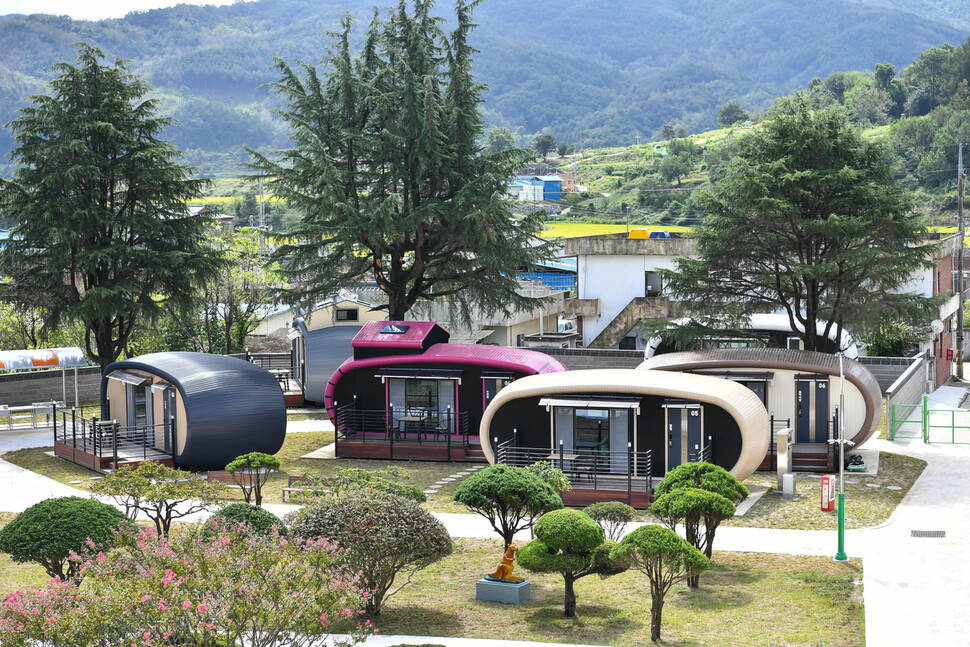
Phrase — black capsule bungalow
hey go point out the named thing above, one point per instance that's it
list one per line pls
(409, 394)
(615, 431)
(204, 410)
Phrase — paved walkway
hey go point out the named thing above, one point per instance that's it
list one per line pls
(915, 589)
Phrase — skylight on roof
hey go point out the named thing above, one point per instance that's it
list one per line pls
(394, 329)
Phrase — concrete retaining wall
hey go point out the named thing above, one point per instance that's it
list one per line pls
(18, 389)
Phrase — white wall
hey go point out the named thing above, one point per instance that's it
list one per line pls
(615, 281)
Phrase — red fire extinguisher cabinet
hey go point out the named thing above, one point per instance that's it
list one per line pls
(828, 493)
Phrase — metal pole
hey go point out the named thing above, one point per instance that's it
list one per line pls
(960, 281)
(840, 556)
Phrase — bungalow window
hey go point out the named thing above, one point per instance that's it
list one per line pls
(347, 314)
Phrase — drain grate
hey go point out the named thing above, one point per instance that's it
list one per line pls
(928, 533)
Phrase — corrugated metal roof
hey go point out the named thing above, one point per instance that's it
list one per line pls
(529, 361)
(415, 332)
(231, 406)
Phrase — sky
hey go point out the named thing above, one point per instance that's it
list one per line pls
(93, 9)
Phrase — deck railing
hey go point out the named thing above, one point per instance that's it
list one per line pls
(446, 428)
(106, 439)
(602, 470)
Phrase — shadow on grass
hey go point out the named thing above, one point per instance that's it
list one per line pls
(417, 620)
(594, 623)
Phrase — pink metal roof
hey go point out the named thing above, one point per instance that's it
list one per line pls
(517, 359)
(497, 357)
(370, 335)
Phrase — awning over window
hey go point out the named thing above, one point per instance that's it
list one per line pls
(160, 385)
(590, 403)
(421, 373)
(12, 360)
(128, 377)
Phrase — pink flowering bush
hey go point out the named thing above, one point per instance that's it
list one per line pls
(230, 590)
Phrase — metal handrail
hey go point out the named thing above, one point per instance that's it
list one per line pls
(370, 425)
(586, 465)
(101, 438)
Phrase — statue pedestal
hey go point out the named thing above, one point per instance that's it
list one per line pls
(504, 592)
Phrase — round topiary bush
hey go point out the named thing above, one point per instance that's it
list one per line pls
(259, 521)
(383, 534)
(48, 531)
(612, 516)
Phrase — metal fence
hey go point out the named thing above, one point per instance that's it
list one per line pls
(106, 439)
(920, 422)
(600, 470)
(446, 428)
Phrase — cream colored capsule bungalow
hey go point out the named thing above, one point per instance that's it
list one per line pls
(800, 389)
(603, 426)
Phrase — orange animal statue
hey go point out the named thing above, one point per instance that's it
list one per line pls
(505, 567)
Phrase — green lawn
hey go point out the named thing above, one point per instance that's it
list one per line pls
(15, 576)
(744, 599)
(869, 501)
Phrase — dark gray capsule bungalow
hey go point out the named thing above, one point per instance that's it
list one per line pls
(203, 409)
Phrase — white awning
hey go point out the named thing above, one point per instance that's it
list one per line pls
(589, 403)
(159, 385)
(128, 377)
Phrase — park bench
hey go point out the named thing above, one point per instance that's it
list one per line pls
(223, 477)
(305, 485)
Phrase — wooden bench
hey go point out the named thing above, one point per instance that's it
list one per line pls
(223, 477)
(310, 484)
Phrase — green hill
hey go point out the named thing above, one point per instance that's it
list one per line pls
(591, 73)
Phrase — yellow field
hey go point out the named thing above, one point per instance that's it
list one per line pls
(577, 229)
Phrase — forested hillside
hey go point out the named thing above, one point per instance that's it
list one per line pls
(591, 73)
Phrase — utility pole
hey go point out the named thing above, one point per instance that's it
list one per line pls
(960, 282)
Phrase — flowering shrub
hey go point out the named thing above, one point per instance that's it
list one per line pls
(384, 535)
(227, 591)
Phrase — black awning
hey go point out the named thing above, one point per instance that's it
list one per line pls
(421, 373)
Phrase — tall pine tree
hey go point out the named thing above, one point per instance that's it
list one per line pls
(102, 233)
(807, 220)
(388, 171)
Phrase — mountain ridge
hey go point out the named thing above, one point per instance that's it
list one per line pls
(591, 73)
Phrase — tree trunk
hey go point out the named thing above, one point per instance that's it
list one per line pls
(569, 602)
(656, 613)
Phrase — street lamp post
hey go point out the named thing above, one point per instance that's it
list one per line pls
(840, 555)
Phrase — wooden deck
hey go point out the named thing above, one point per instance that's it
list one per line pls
(609, 488)
(376, 447)
(128, 454)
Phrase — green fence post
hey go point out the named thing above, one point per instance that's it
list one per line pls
(891, 433)
(926, 436)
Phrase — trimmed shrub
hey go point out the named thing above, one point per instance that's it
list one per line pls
(250, 472)
(47, 532)
(552, 475)
(509, 497)
(703, 476)
(612, 517)
(258, 521)
(570, 543)
(665, 559)
(383, 534)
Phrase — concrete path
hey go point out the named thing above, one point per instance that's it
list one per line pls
(915, 588)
